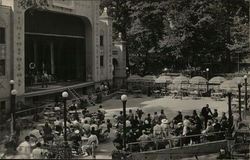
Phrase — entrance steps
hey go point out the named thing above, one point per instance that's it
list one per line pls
(74, 94)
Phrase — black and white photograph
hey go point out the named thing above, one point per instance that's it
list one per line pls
(125, 79)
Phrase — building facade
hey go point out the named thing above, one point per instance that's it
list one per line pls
(69, 40)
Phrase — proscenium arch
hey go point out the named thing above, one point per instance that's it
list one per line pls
(59, 25)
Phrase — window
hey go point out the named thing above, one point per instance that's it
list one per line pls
(2, 35)
(101, 61)
(2, 105)
(2, 67)
(101, 40)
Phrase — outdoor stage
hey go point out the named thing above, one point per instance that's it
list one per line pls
(37, 90)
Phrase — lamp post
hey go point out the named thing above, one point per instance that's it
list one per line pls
(13, 110)
(239, 90)
(13, 93)
(65, 96)
(165, 71)
(124, 100)
(246, 96)
(207, 70)
(230, 116)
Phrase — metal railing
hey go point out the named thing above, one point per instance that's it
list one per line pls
(173, 142)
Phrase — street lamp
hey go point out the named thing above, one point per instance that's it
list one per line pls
(239, 90)
(207, 70)
(12, 104)
(246, 96)
(124, 99)
(230, 116)
(12, 110)
(65, 96)
(165, 70)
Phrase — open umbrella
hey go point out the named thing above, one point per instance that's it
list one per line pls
(181, 82)
(164, 79)
(217, 80)
(229, 85)
(199, 82)
(238, 80)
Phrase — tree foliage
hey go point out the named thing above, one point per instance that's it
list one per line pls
(181, 34)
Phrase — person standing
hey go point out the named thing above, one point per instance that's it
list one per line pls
(205, 114)
(24, 148)
(162, 115)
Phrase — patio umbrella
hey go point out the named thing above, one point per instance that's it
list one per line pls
(164, 79)
(180, 82)
(238, 80)
(198, 81)
(217, 80)
(229, 85)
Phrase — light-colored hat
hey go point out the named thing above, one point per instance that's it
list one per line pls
(128, 123)
(75, 122)
(179, 124)
(164, 121)
(77, 131)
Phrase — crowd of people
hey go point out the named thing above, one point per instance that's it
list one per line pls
(84, 130)
(144, 130)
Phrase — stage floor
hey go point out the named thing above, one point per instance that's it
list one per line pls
(37, 90)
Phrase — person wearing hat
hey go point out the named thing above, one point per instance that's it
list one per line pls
(35, 133)
(165, 127)
(147, 126)
(76, 139)
(179, 129)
